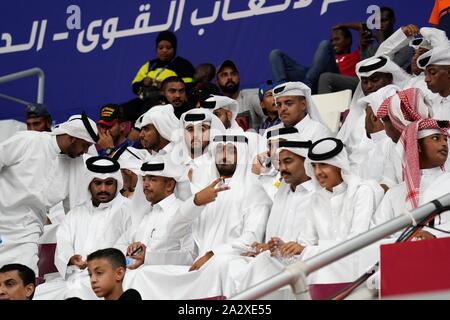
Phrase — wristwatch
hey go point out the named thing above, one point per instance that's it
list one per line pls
(109, 150)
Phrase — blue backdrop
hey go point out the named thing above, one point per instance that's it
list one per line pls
(95, 64)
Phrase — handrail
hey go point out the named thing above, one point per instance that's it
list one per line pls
(299, 270)
(25, 74)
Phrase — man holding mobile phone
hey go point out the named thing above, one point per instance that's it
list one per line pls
(163, 235)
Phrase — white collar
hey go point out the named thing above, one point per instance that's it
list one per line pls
(306, 186)
(303, 124)
(340, 188)
(55, 145)
(431, 172)
(165, 203)
(103, 206)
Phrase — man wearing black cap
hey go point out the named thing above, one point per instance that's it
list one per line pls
(38, 118)
(250, 113)
(166, 64)
(112, 129)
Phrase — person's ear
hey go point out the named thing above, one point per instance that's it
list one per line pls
(29, 290)
(120, 274)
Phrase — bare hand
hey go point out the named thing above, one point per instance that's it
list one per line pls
(201, 261)
(209, 194)
(290, 249)
(105, 139)
(274, 243)
(410, 30)
(140, 258)
(77, 260)
(257, 167)
(147, 81)
(424, 235)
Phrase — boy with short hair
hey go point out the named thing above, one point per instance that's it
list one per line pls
(107, 269)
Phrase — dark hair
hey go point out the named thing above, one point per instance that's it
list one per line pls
(114, 256)
(390, 10)
(346, 33)
(170, 80)
(26, 274)
(209, 69)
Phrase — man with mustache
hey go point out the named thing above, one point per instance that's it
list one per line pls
(163, 233)
(34, 176)
(250, 114)
(95, 224)
(174, 90)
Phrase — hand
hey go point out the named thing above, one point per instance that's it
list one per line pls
(201, 261)
(209, 194)
(257, 249)
(105, 139)
(147, 81)
(77, 260)
(140, 258)
(257, 167)
(129, 179)
(274, 243)
(424, 235)
(410, 30)
(290, 249)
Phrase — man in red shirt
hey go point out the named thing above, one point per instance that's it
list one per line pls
(333, 56)
(439, 17)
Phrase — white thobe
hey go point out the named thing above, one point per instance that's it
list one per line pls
(166, 231)
(379, 160)
(308, 129)
(200, 174)
(227, 226)
(286, 218)
(441, 107)
(85, 229)
(27, 169)
(434, 183)
(333, 218)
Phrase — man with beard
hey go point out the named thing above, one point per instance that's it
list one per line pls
(38, 118)
(158, 129)
(97, 223)
(112, 129)
(250, 114)
(226, 226)
(174, 90)
(33, 168)
(199, 126)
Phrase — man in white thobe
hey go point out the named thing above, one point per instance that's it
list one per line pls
(226, 109)
(341, 209)
(198, 127)
(94, 225)
(436, 63)
(33, 178)
(226, 226)
(164, 232)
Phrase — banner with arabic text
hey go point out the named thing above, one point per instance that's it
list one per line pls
(90, 51)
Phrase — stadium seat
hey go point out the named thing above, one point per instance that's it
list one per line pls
(331, 105)
(46, 263)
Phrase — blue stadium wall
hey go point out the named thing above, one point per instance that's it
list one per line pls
(83, 72)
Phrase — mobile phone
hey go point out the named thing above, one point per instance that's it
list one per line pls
(265, 161)
(136, 252)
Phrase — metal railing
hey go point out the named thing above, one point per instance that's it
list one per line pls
(296, 273)
(25, 74)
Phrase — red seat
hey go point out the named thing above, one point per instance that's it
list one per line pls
(325, 291)
(46, 263)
